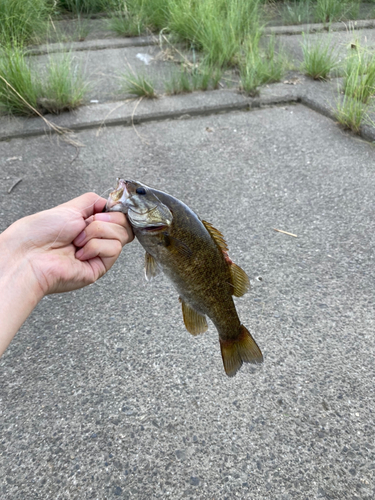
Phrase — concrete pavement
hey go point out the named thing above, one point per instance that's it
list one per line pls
(105, 395)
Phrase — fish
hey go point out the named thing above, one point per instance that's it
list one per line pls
(194, 256)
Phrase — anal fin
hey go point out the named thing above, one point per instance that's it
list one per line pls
(151, 267)
(240, 280)
(195, 323)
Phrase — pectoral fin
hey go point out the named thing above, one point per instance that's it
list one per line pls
(176, 245)
(195, 323)
(240, 280)
(151, 267)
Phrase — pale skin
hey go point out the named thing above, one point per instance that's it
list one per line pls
(58, 250)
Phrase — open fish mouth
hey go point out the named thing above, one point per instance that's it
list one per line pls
(117, 199)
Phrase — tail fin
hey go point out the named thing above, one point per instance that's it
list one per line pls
(243, 349)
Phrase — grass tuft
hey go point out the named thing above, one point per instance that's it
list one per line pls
(351, 113)
(63, 88)
(22, 21)
(260, 67)
(318, 60)
(125, 24)
(217, 27)
(16, 74)
(21, 89)
(139, 85)
(200, 78)
(359, 79)
(327, 11)
(296, 12)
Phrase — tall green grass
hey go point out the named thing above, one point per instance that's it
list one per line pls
(358, 88)
(260, 66)
(184, 80)
(22, 21)
(86, 6)
(296, 12)
(18, 86)
(359, 78)
(217, 27)
(24, 91)
(327, 11)
(63, 87)
(150, 14)
(319, 59)
(138, 85)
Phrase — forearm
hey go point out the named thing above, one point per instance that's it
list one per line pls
(19, 294)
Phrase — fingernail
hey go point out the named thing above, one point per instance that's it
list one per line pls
(80, 238)
(103, 217)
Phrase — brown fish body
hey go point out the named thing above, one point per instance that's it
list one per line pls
(193, 255)
(191, 259)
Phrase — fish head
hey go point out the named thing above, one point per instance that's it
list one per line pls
(140, 203)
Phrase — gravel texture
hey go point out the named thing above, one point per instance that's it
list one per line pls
(105, 395)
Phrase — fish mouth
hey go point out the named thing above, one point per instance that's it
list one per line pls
(117, 199)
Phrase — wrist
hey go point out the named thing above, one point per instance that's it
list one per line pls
(19, 292)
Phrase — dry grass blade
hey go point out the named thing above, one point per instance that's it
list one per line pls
(285, 232)
(58, 130)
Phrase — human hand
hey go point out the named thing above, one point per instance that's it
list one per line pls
(69, 246)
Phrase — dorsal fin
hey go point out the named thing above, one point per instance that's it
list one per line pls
(240, 280)
(216, 236)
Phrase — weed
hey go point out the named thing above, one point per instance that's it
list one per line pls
(151, 14)
(125, 24)
(351, 113)
(179, 82)
(22, 21)
(296, 12)
(359, 79)
(63, 88)
(60, 88)
(85, 6)
(217, 27)
(200, 78)
(319, 59)
(16, 73)
(327, 11)
(260, 67)
(139, 85)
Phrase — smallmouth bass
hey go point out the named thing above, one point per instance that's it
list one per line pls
(194, 256)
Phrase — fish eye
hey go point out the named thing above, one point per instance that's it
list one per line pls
(140, 191)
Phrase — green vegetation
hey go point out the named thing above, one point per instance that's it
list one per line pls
(296, 12)
(327, 11)
(22, 21)
(139, 85)
(126, 25)
(319, 11)
(63, 88)
(86, 6)
(23, 91)
(358, 88)
(359, 79)
(351, 113)
(201, 78)
(216, 27)
(318, 59)
(260, 67)
(18, 87)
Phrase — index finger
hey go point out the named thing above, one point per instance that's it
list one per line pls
(88, 204)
